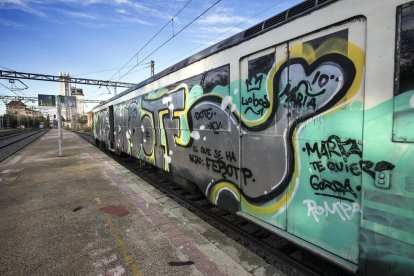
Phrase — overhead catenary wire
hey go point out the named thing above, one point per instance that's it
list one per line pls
(227, 30)
(152, 38)
(104, 70)
(139, 69)
(174, 35)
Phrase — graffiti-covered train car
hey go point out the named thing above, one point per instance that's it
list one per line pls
(303, 123)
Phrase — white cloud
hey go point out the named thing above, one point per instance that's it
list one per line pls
(132, 20)
(218, 30)
(20, 5)
(10, 24)
(80, 15)
(214, 19)
(121, 11)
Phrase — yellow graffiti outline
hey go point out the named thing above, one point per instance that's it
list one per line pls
(219, 186)
(182, 114)
(149, 158)
(357, 56)
(163, 136)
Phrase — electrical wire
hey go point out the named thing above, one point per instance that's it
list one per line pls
(224, 32)
(152, 38)
(101, 71)
(168, 40)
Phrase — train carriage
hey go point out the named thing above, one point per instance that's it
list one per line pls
(303, 123)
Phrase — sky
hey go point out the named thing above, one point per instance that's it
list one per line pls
(100, 39)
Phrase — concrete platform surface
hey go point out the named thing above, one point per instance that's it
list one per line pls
(84, 214)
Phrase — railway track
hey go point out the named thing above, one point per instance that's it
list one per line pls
(286, 256)
(12, 142)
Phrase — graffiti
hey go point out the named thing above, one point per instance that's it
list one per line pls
(254, 101)
(217, 162)
(314, 88)
(334, 186)
(369, 168)
(327, 152)
(305, 93)
(345, 211)
(349, 152)
(289, 143)
(228, 170)
(333, 146)
(205, 113)
(214, 126)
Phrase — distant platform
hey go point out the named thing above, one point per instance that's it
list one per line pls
(84, 214)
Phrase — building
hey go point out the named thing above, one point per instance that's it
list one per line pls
(71, 114)
(18, 108)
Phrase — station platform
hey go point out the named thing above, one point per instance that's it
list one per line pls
(84, 214)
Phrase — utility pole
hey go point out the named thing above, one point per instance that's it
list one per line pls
(152, 67)
(59, 126)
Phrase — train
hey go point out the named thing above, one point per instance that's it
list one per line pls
(303, 124)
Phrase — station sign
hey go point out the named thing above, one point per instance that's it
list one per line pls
(46, 100)
(67, 101)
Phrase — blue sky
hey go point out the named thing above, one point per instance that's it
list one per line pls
(96, 38)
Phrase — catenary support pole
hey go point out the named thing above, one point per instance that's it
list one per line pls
(59, 127)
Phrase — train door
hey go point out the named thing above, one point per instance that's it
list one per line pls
(263, 144)
(387, 227)
(111, 135)
(325, 98)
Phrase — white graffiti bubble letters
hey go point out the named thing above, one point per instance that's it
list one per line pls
(345, 211)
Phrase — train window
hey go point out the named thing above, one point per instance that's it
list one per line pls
(215, 77)
(208, 114)
(340, 35)
(260, 65)
(255, 97)
(404, 75)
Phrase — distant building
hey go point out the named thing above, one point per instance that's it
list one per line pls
(78, 93)
(71, 115)
(89, 119)
(18, 108)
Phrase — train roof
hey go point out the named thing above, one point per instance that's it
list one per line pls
(271, 23)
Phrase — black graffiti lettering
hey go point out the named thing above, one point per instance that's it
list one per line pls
(256, 102)
(195, 149)
(219, 166)
(295, 98)
(228, 170)
(384, 166)
(195, 159)
(311, 103)
(247, 174)
(333, 185)
(355, 169)
(230, 156)
(259, 112)
(317, 165)
(301, 95)
(254, 84)
(366, 167)
(214, 125)
(315, 79)
(333, 146)
(323, 80)
(206, 151)
(217, 154)
(335, 167)
(205, 113)
(313, 149)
